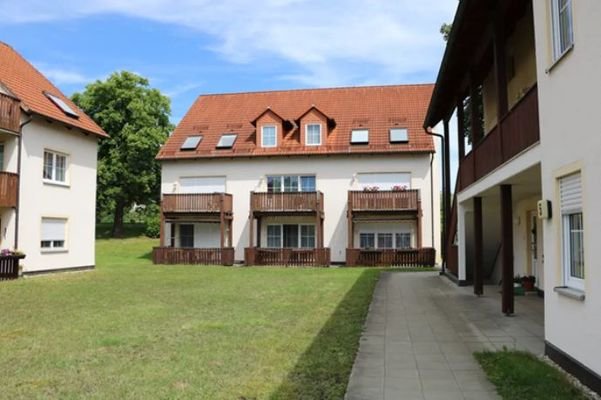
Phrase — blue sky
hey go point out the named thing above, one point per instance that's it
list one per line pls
(190, 47)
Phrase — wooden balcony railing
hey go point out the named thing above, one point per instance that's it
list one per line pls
(10, 113)
(174, 255)
(517, 131)
(287, 257)
(197, 203)
(386, 200)
(424, 257)
(9, 185)
(289, 202)
(9, 267)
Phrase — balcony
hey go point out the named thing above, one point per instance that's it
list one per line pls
(287, 257)
(10, 113)
(287, 202)
(384, 201)
(197, 203)
(424, 257)
(9, 186)
(516, 132)
(174, 255)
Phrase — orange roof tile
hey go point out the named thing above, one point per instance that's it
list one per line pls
(377, 108)
(29, 85)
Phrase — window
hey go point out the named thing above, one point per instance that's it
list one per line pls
(274, 235)
(570, 188)
(269, 136)
(55, 167)
(291, 236)
(53, 234)
(186, 236)
(367, 240)
(385, 241)
(403, 240)
(227, 141)
(290, 183)
(399, 135)
(562, 27)
(1, 156)
(385, 181)
(60, 103)
(359, 136)
(191, 143)
(313, 134)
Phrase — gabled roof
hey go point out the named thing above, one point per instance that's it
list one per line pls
(27, 84)
(377, 108)
(266, 111)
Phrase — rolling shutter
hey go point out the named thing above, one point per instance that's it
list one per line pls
(385, 181)
(204, 184)
(53, 229)
(570, 188)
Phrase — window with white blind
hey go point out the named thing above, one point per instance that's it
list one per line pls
(313, 134)
(572, 228)
(54, 234)
(563, 29)
(55, 167)
(269, 136)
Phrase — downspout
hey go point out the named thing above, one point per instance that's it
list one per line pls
(430, 132)
(19, 157)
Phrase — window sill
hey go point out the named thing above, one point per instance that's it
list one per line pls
(54, 251)
(55, 183)
(559, 59)
(574, 294)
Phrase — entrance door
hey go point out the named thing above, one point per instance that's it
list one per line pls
(536, 249)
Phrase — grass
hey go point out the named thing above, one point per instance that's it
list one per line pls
(131, 330)
(520, 375)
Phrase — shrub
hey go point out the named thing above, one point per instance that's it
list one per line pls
(153, 227)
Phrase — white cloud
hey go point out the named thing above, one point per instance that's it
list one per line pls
(329, 42)
(61, 76)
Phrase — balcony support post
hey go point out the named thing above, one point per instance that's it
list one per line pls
(419, 224)
(507, 249)
(349, 222)
(447, 183)
(251, 230)
(230, 239)
(460, 129)
(478, 248)
(162, 227)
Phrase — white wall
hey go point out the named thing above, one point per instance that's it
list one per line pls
(76, 202)
(335, 176)
(571, 140)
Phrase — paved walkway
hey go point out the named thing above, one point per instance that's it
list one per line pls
(420, 334)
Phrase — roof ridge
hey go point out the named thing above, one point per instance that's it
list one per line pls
(319, 89)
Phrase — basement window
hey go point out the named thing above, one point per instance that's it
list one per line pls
(399, 135)
(360, 136)
(60, 103)
(191, 143)
(227, 141)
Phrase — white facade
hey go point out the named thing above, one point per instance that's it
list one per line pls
(335, 176)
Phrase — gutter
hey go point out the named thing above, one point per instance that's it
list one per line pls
(19, 158)
(430, 132)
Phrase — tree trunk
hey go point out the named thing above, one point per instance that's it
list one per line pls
(118, 221)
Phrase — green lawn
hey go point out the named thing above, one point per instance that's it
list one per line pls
(520, 375)
(131, 330)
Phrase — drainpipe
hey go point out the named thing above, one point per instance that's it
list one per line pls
(19, 157)
(430, 132)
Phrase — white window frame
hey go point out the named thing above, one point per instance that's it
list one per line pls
(275, 134)
(55, 156)
(52, 242)
(567, 212)
(299, 237)
(299, 182)
(307, 134)
(558, 52)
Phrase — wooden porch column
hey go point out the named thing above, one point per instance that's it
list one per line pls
(350, 226)
(230, 234)
(251, 230)
(478, 248)
(419, 223)
(507, 248)
(475, 126)
(221, 222)
(460, 129)
(447, 182)
(319, 228)
(172, 238)
(162, 227)
(259, 223)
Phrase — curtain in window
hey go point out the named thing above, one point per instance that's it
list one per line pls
(274, 236)
(308, 236)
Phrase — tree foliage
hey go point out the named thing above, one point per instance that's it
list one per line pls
(445, 30)
(136, 117)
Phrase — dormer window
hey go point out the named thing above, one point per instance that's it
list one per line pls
(360, 136)
(191, 143)
(227, 141)
(313, 134)
(399, 135)
(269, 136)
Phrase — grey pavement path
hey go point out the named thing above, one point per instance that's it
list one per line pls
(421, 332)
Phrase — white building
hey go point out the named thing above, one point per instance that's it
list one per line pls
(528, 186)
(48, 153)
(282, 178)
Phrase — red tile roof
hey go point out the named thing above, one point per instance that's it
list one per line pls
(25, 82)
(377, 108)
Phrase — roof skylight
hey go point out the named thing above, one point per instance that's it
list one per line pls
(399, 135)
(227, 141)
(60, 103)
(191, 142)
(360, 136)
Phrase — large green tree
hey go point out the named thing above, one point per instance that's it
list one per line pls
(136, 117)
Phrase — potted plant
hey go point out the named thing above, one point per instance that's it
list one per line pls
(528, 282)
(518, 289)
(399, 188)
(371, 188)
